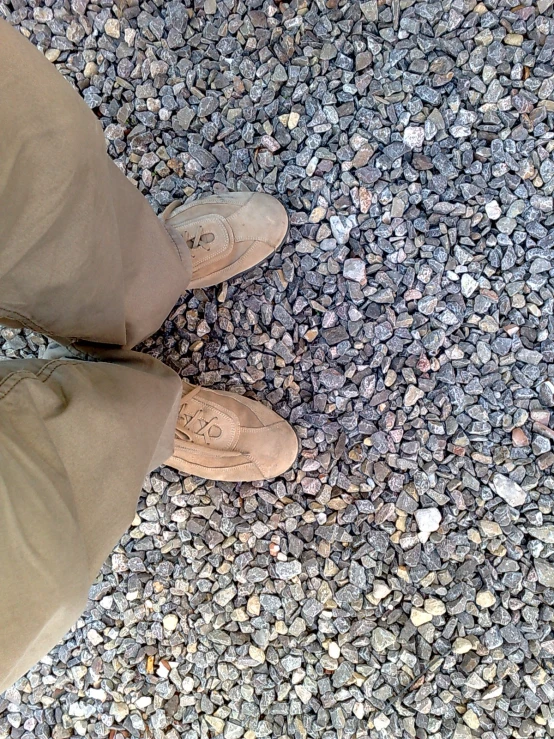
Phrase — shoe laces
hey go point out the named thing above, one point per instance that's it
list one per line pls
(196, 237)
(195, 424)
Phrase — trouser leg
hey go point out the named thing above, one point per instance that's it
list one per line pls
(82, 258)
(82, 255)
(76, 440)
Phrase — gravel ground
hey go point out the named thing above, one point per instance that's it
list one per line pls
(399, 582)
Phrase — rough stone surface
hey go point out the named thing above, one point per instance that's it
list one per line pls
(428, 519)
(509, 490)
(399, 580)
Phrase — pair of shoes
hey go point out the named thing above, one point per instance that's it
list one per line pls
(221, 435)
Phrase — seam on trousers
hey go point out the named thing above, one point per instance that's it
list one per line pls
(27, 322)
(43, 374)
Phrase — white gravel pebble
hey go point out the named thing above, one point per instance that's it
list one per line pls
(414, 136)
(469, 285)
(493, 210)
(428, 519)
(170, 622)
(113, 28)
(509, 490)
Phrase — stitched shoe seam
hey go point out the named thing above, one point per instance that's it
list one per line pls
(258, 466)
(191, 446)
(251, 429)
(199, 219)
(256, 240)
(231, 266)
(256, 414)
(213, 405)
(243, 206)
(247, 463)
(198, 262)
(210, 200)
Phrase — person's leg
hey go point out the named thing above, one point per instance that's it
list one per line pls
(82, 252)
(84, 259)
(76, 441)
(83, 255)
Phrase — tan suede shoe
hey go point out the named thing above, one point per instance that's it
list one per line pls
(228, 234)
(224, 436)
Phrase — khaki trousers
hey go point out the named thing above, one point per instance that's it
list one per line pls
(83, 259)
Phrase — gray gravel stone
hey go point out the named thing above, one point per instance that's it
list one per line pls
(545, 573)
(288, 570)
(354, 269)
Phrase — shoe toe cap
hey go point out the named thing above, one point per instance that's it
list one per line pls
(263, 219)
(276, 449)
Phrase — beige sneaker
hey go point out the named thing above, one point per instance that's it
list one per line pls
(228, 234)
(224, 436)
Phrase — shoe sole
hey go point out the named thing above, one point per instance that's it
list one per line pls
(242, 473)
(244, 470)
(207, 282)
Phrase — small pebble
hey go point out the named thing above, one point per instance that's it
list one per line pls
(428, 519)
(170, 622)
(112, 28)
